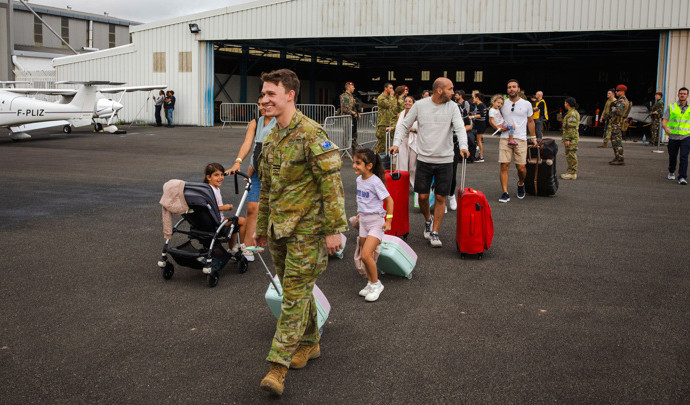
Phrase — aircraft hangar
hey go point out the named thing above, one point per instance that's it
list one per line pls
(561, 47)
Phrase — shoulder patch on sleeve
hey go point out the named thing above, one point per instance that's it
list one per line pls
(319, 148)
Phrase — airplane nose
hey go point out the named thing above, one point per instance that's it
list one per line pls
(117, 106)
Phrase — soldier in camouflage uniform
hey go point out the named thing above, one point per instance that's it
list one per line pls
(301, 215)
(386, 116)
(606, 116)
(348, 107)
(656, 114)
(619, 112)
(571, 136)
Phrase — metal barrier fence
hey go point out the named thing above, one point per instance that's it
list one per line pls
(317, 112)
(238, 113)
(366, 128)
(339, 130)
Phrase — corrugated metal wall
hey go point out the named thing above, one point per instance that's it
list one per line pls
(329, 18)
(353, 18)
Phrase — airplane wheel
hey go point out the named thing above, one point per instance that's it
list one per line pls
(98, 127)
(67, 129)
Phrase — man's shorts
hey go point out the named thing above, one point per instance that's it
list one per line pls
(253, 194)
(371, 225)
(516, 153)
(440, 173)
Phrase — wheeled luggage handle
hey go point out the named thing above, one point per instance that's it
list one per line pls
(257, 250)
(395, 174)
(462, 175)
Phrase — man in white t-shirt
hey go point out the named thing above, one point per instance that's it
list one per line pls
(517, 114)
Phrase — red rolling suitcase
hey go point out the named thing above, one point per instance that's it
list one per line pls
(398, 186)
(475, 227)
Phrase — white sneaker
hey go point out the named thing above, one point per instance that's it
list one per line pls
(234, 250)
(682, 182)
(366, 290)
(452, 202)
(434, 240)
(374, 293)
(246, 253)
(671, 176)
(427, 228)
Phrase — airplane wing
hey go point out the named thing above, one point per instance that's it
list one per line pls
(91, 83)
(132, 88)
(49, 92)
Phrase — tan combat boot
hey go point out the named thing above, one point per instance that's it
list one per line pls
(603, 145)
(304, 354)
(616, 162)
(569, 176)
(274, 382)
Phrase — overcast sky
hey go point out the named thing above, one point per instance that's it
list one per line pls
(140, 10)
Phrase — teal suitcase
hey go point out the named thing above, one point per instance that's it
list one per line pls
(396, 258)
(274, 295)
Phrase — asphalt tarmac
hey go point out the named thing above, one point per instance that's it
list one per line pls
(583, 298)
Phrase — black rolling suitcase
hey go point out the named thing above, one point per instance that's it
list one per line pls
(541, 179)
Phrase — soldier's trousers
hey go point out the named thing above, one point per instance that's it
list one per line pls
(571, 158)
(607, 134)
(298, 261)
(381, 139)
(655, 132)
(354, 132)
(617, 142)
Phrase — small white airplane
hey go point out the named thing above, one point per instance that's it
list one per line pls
(76, 108)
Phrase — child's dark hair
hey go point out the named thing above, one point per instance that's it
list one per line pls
(367, 156)
(212, 168)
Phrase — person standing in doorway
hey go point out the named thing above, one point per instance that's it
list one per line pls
(158, 104)
(301, 216)
(541, 114)
(438, 122)
(656, 114)
(606, 116)
(169, 106)
(619, 112)
(517, 113)
(386, 116)
(676, 124)
(348, 107)
(478, 117)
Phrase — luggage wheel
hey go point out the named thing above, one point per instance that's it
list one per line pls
(321, 330)
(409, 276)
(480, 256)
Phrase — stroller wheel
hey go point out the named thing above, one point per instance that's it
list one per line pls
(168, 271)
(212, 279)
(243, 264)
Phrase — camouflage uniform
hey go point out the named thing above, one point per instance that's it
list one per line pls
(301, 201)
(656, 114)
(386, 118)
(348, 107)
(606, 115)
(619, 112)
(571, 122)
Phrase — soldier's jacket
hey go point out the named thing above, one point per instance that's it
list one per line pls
(571, 123)
(387, 106)
(347, 104)
(619, 110)
(607, 109)
(657, 110)
(400, 105)
(301, 189)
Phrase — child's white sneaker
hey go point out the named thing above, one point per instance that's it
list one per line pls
(246, 253)
(366, 290)
(374, 293)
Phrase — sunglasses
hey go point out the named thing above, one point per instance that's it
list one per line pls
(513, 108)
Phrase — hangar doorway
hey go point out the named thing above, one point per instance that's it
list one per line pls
(579, 64)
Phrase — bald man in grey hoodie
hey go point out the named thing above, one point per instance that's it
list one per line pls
(438, 120)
